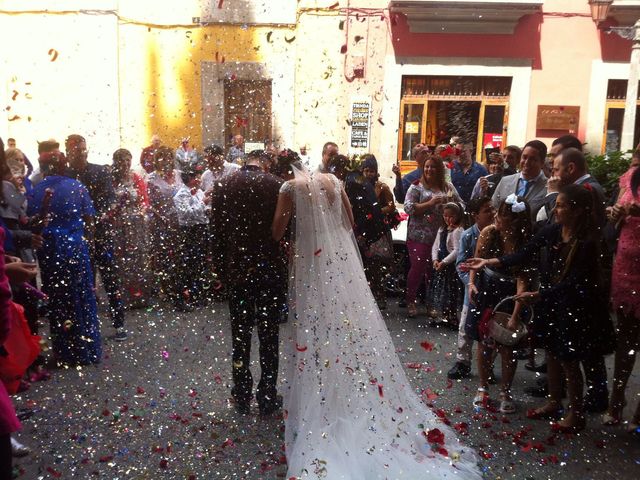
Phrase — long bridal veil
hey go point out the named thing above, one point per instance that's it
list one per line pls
(350, 411)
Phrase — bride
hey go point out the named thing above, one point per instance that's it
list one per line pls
(350, 411)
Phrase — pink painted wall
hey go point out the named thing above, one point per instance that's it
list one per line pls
(561, 43)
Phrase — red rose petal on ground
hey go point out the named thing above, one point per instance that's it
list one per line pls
(414, 365)
(301, 348)
(54, 472)
(435, 435)
(427, 346)
(430, 394)
(526, 447)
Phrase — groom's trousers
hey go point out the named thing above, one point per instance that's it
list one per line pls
(255, 304)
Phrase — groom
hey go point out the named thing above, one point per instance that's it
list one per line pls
(242, 209)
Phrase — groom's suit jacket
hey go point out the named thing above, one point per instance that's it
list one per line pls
(242, 210)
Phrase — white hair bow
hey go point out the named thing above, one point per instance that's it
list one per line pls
(516, 206)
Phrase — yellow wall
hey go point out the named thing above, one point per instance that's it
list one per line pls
(117, 79)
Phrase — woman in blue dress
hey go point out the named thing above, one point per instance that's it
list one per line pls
(67, 277)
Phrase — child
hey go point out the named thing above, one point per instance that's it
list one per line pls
(446, 288)
(509, 232)
(482, 212)
(193, 207)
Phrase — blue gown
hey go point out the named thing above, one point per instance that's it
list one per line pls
(67, 277)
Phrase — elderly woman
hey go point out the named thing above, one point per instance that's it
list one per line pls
(13, 211)
(131, 242)
(424, 204)
(163, 184)
(17, 163)
(67, 277)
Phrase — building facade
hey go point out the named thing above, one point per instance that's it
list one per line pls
(371, 75)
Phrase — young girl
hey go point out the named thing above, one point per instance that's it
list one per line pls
(446, 288)
(509, 233)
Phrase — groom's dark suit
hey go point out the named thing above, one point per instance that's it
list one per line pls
(255, 271)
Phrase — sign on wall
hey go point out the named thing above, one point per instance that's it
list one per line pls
(360, 123)
(558, 117)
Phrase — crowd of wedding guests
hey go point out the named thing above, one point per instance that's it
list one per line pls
(529, 254)
(528, 244)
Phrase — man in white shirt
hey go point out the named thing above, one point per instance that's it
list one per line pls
(193, 207)
(218, 167)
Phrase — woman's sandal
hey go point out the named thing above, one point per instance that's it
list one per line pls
(507, 405)
(543, 414)
(481, 399)
(412, 310)
(559, 428)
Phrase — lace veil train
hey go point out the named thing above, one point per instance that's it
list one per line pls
(350, 411)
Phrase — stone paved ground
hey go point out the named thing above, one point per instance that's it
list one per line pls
(157, 407)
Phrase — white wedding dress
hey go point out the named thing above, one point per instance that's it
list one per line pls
(350, 411)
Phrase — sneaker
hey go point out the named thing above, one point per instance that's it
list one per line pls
(121, 335)
(459, 370)
(18, 449)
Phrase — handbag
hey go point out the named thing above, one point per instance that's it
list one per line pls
(381, 248)
(493, 325)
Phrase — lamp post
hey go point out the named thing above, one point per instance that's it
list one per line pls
(599, 13)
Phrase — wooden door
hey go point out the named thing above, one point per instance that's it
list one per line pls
(247, 110)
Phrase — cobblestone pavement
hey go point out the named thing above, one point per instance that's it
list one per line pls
(157, 407)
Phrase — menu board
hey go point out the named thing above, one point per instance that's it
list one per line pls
(360, 123)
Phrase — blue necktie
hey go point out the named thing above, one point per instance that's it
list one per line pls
(523, 187)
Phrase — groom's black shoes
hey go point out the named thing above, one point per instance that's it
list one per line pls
(243, 408)
(269, 407)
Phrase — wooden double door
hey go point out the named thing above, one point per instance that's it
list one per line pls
(247, 110)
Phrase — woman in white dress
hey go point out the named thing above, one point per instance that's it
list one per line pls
(350, 411)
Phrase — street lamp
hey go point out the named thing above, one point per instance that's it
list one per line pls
(599, 13)
(599, 10)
